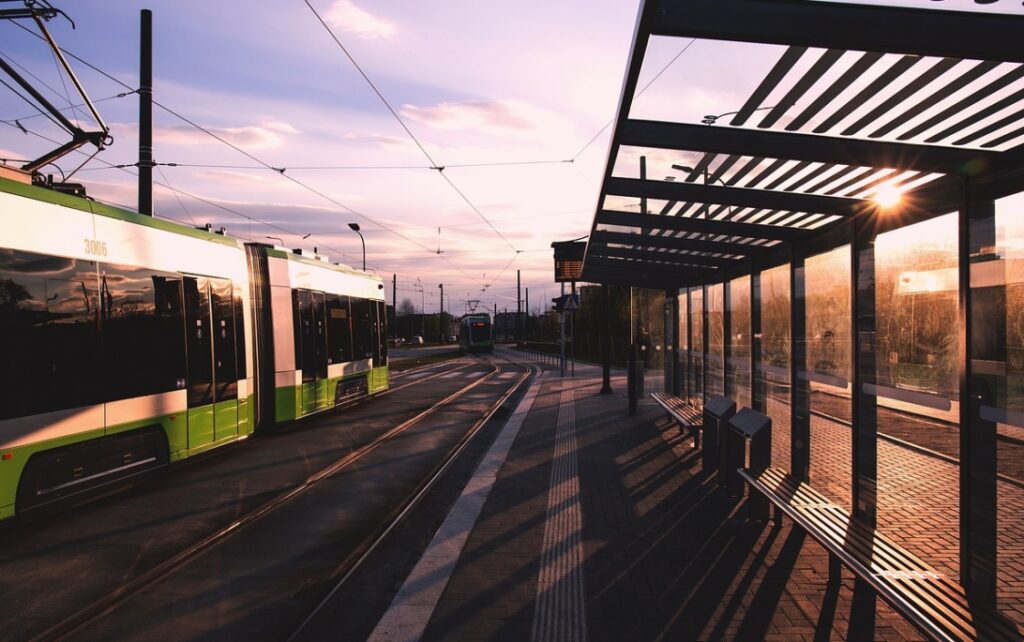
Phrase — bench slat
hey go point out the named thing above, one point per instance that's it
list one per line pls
(932, 601)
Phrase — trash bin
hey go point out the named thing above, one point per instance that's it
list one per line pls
(717, 411)
(748, 428)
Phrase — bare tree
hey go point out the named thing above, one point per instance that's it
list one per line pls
(406, 308)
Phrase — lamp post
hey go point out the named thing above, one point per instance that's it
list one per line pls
(355, 228)
(274, 238)
(440, 315)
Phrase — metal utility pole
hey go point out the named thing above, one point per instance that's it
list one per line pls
(394, 304)
(526, 319)
(606, 343)
(519, 310)
(561, 337)
(572, 332)
(146, 113)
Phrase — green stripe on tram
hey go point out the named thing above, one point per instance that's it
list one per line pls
(84, 205)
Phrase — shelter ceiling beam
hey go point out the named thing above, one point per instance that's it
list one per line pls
(736, 196)
(803, 147)
(924, 32)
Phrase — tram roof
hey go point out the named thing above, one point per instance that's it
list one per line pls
(764, 124)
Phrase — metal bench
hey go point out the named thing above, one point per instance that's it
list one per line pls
(933, 602)
(686, 415)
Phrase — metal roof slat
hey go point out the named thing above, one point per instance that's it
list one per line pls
(743, 171)
(860, 175)
(700, 167)
(833, 178)
(993, 127)
(899, 68)
(765, 173)
(788, 174)
(723, 167)
(965, 103)
(937, 96)
(1005, 138)
(803, 180)
(974, 119)
(786, 61)
(813, 75)
(914, 86)
(855, 71)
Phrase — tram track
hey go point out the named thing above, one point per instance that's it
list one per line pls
(102, 607)
(352, 564)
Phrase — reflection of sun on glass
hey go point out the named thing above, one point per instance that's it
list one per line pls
(887, 196)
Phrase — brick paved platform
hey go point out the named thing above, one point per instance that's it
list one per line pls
(647, 548)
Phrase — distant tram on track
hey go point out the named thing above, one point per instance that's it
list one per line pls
(131, 342)
(476, 333)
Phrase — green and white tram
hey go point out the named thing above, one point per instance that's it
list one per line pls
(129, 342)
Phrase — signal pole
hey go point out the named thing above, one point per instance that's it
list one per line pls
(394, 304)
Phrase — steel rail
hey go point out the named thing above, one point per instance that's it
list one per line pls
(355, 560)
(106, 604)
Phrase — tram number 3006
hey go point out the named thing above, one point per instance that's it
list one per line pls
(95, 248)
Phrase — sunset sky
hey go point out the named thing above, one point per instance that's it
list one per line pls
(517, 89)
(475, 83)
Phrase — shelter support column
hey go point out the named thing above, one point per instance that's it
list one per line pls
(864, 391)
(800, 427)
(606, 342)
(983, 362)
(757, 383)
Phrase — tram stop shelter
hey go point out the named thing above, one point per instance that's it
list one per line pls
(831, 196)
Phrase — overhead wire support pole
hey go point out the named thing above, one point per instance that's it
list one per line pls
(146, 113)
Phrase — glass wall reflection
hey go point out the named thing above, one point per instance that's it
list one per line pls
(917, 333)
(738, 363)
(716, 340)
(697, 347)
(997, 291)
(775, 359)
(828, 320)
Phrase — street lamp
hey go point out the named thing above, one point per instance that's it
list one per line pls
(355, 228)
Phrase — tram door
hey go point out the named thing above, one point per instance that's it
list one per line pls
(225, 369)
(200, 361)
(313, 347)
(212, 367)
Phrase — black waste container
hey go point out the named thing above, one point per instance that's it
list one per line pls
(753, 428)
(717, 412)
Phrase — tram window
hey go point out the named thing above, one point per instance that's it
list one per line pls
(73, 340)
(375, 333)
(197, 323)
(361, 328)
(382, 325)
(305, 342)
(143, 332)
(225, 373)
(339, 329)
(239, 334)
(48, 333)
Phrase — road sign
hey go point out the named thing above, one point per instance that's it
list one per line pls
(566, 303)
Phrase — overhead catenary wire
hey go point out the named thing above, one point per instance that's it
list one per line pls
(259, 161)
(638, 93)
(212, 203)
(433, 163)
(263, 163)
